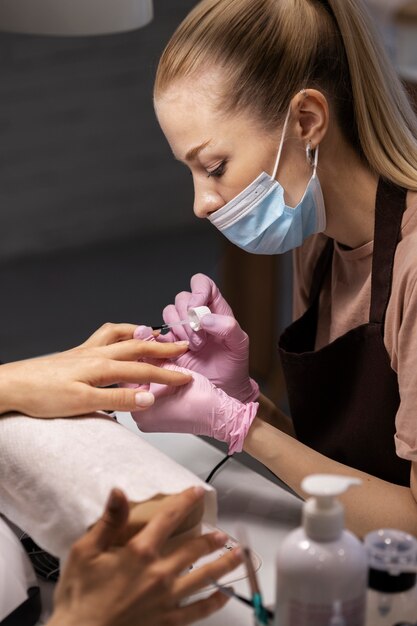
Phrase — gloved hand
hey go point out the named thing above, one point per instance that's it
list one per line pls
(198, 408)
(220, 351)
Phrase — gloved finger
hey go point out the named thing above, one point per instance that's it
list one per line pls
(205, 292)
(138, 387)
(197, 339)
(182, 304)
(167, 337)
(143, 332)
(161, 389)
(228, 331)
(149, 421)
(171, 315)
(180, 313)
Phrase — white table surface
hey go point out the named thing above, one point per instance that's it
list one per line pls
(266, 511)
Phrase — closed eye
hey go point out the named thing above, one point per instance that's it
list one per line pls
(219, 171)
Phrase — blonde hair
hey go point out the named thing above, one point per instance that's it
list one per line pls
(268, 50)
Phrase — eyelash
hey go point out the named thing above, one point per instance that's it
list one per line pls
(219, 171)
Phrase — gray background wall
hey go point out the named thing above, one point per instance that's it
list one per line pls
(96, 219)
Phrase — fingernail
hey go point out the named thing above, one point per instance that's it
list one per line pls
(144, 387)
(144, 399)
(199, 491)
(220, 538)
(182, 343)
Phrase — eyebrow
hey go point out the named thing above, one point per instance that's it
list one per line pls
(193, 153)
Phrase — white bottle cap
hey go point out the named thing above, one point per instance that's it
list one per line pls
(391, 550)
(323, 515)
(195, 314)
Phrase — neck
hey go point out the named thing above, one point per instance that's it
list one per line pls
(349, 190)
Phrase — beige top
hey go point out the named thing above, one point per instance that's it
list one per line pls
(345, 301)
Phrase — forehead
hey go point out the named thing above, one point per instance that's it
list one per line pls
(188, 104)
(190, 112)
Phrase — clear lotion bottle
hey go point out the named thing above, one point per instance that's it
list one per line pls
(322, 569)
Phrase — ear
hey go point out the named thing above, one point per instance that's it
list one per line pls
(310, 113)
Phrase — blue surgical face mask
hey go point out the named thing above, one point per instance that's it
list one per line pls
(259, 221)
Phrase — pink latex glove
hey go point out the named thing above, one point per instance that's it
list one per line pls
(220, 351)
(198, 408)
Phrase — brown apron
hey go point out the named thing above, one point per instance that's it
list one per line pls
(344, 397)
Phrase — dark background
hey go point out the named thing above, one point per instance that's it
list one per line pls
(96, 220)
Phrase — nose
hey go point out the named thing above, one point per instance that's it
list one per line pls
(206, 201)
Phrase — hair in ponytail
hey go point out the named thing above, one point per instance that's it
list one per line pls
(386, 122)
(268, 50)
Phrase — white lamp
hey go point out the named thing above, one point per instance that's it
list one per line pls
(74, 17)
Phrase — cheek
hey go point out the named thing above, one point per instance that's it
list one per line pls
(238, 176)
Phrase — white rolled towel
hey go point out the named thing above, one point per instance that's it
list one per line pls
(56, 474)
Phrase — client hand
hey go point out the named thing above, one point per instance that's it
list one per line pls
(199, 408)
(220, 351)
(73, 382)
(106, 585)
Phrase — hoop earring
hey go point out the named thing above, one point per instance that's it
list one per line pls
(310, 154)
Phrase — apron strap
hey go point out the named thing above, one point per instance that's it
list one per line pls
(389, 209)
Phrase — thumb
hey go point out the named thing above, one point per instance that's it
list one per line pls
(226, 329)
(104, 533)
(206, 292)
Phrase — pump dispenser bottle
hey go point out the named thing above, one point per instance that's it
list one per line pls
(322, 569)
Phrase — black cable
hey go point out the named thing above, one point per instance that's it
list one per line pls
(45, 565)
(217, 467)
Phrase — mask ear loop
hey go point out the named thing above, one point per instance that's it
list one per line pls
(281, 143)
(284, 131)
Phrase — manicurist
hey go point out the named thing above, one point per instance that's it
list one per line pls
(299, 136)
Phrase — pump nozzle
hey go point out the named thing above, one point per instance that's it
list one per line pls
(323, 514)
(327, 486)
